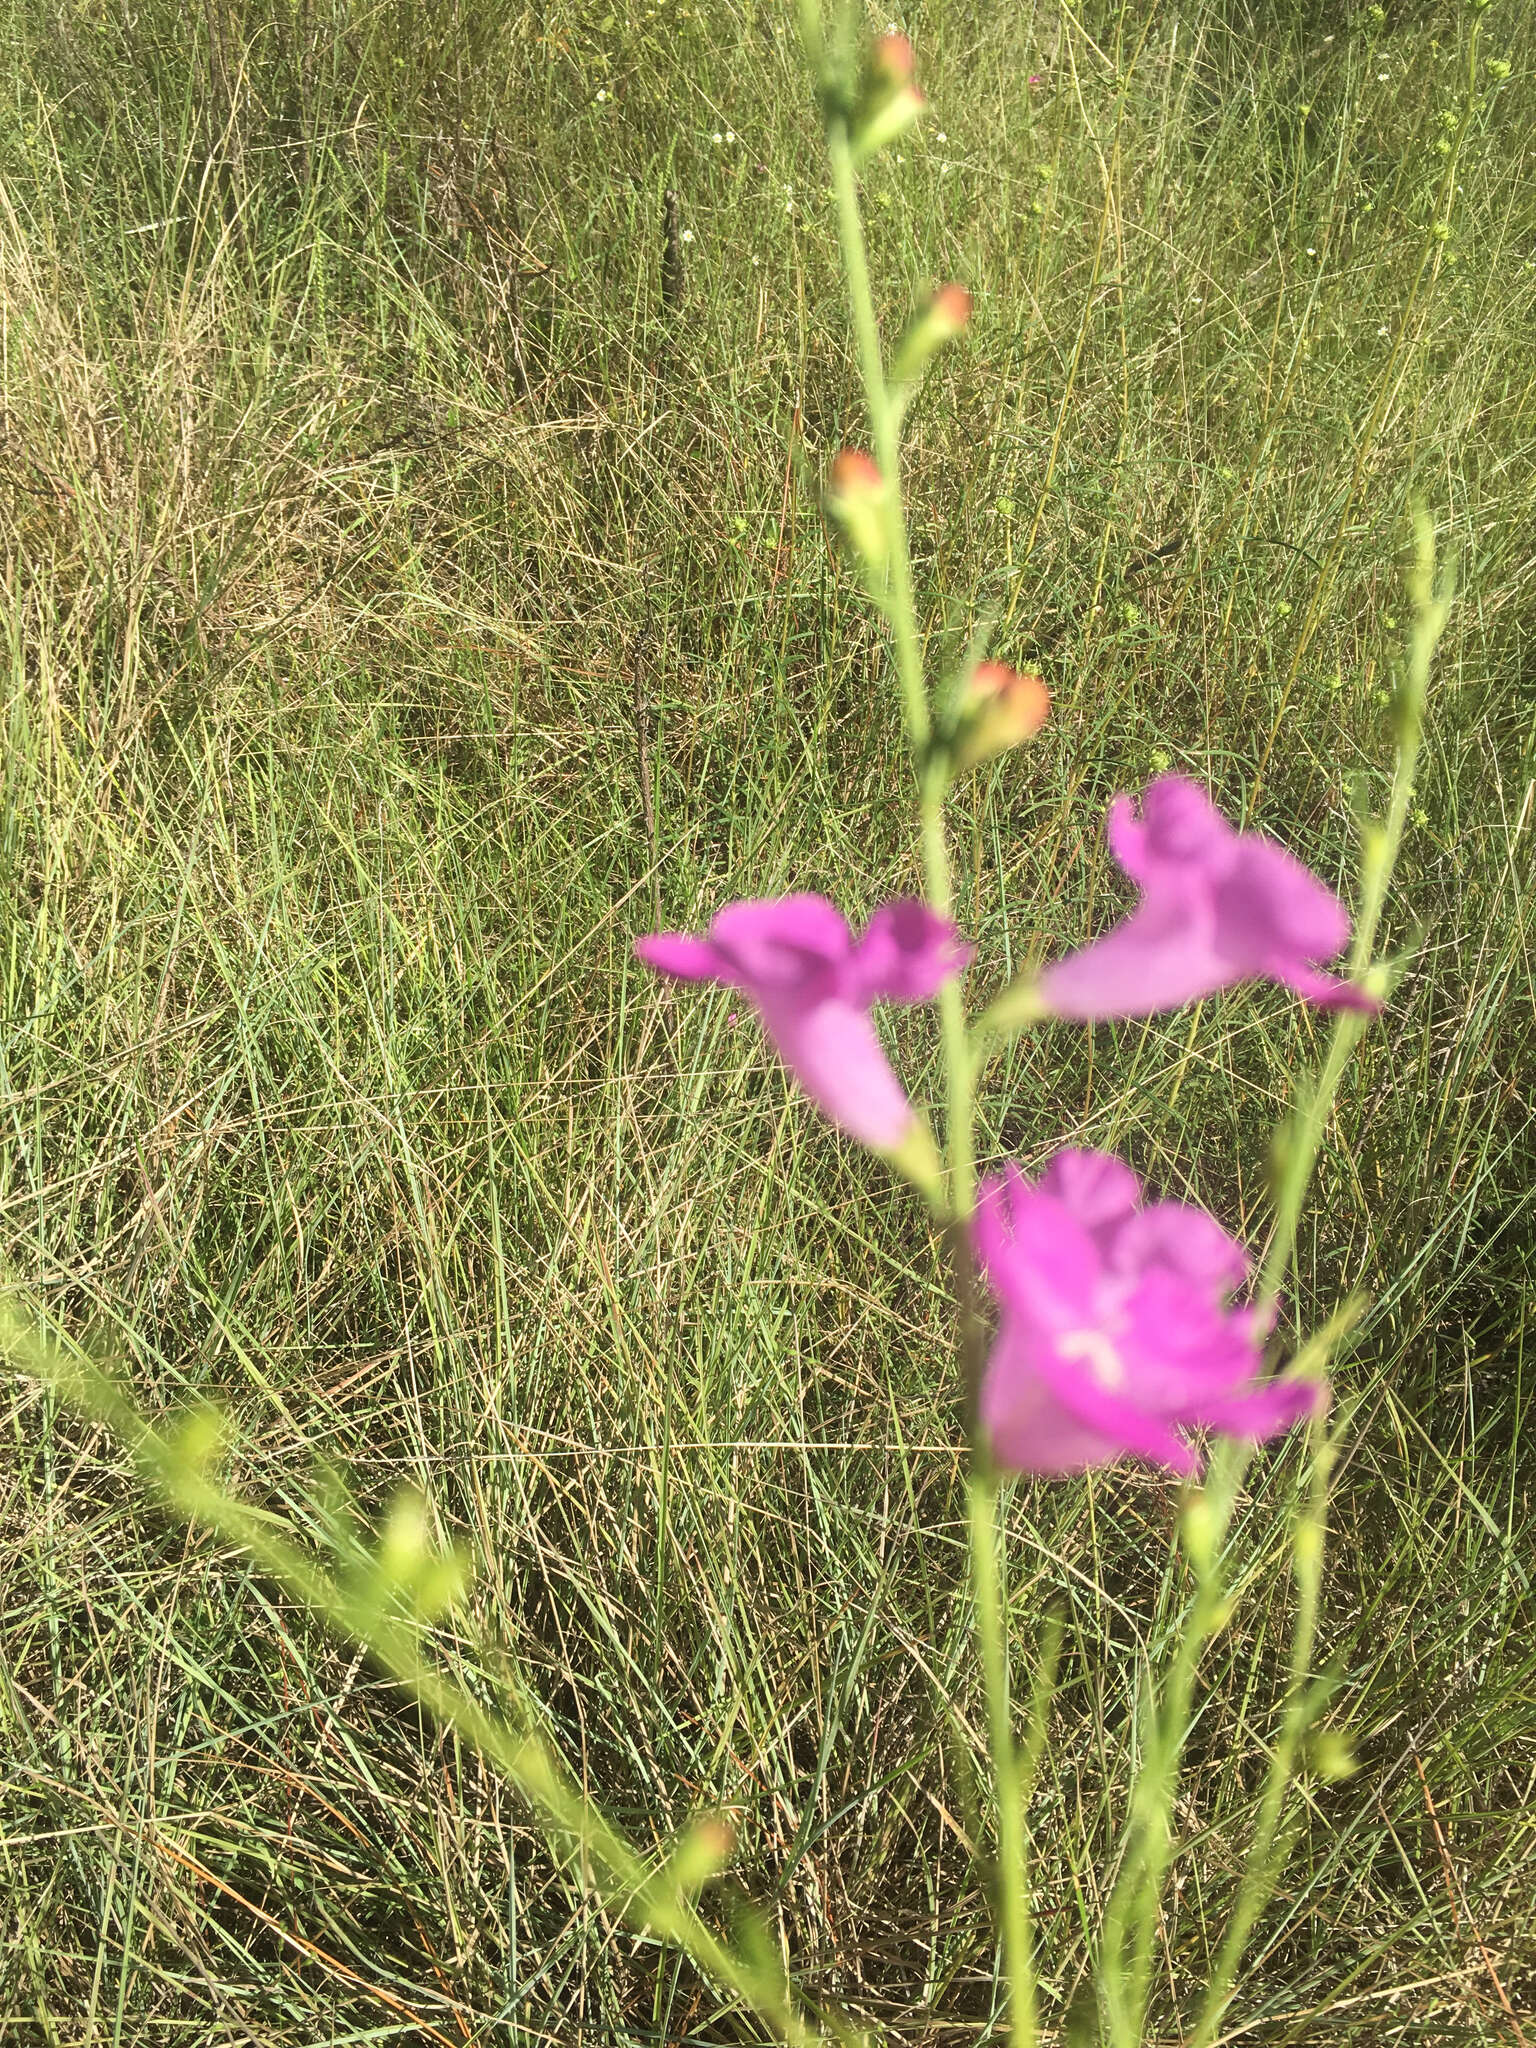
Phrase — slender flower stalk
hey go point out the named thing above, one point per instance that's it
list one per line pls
(1135, 1901)
(885, 407)
(654, 1898)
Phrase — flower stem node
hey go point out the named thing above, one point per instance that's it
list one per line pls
(1000, 709)
(946, 314)
(858, 504)
(888, 100)
(916, 1159)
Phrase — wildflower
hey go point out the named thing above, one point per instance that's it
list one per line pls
(1117, 1335)
(941, 136)
(730, 134)
(813, 984)
(999, 710)
(1217, 906)
(717, 137)
(686, 235)
(601, 96)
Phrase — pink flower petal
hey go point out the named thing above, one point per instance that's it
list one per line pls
(681, 955)
(833, 1051)
(1095, 1187)
(1117, 1337)
(908, 953)
(1217, 906)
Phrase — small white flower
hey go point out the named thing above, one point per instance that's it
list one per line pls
(600, 95)
(730, 134)
(717, 136)
(1383, 328)
(755, 261)
(941, 136)
(891, 29)
(1382, 77)
(687, 234)
(1311, 252)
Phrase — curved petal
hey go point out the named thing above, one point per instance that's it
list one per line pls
(1110, 1413)
(1270, 905)
(1127, 838)
(1161, 957)
(784, 943)
(1263, 1411)
(1029, 1429)
(1183, 1240)
(683, 956)
(1036, 1255)
(832, 1050)
(1098, 1189)
(907, 953)
(1184, 828)
(1328, 991)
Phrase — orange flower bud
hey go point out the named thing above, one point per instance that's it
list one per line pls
(892, 62)
(1001, 707)
(944, 316)
(856, 500)
(888, 101)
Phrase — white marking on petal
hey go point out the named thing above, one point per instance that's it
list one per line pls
(1103, 1361)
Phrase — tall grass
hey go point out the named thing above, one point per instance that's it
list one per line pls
(401, 604)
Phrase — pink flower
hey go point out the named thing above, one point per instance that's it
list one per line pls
(1217, 906)
(1116, 1335)
(813, 982)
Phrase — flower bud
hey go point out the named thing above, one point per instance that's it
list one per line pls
(889, 100)
(856, 500)
(944, 316)
(1000, 708)
(700, 1855)
(1332, 1755)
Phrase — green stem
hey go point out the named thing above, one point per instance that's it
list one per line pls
(1133, 1904)
(991, 1630)
(900, 609)
(1264, 1866)
(1383, 838)
(648, 1896)
(884, 429)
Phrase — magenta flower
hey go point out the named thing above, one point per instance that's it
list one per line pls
(813, 982)
(1116, 1333)
(1217, 906)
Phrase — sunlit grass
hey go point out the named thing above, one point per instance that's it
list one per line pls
(368, 524)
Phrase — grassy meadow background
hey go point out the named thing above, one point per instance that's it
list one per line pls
(404, 607)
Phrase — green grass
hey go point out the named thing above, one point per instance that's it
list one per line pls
(367, 522)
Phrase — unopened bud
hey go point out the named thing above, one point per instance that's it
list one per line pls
(856, 500)
(701, 1854)
(944, 316)
(1332, 1755)
(889, 100)
(1000, 708)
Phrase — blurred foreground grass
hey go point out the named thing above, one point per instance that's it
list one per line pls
(403, 608)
